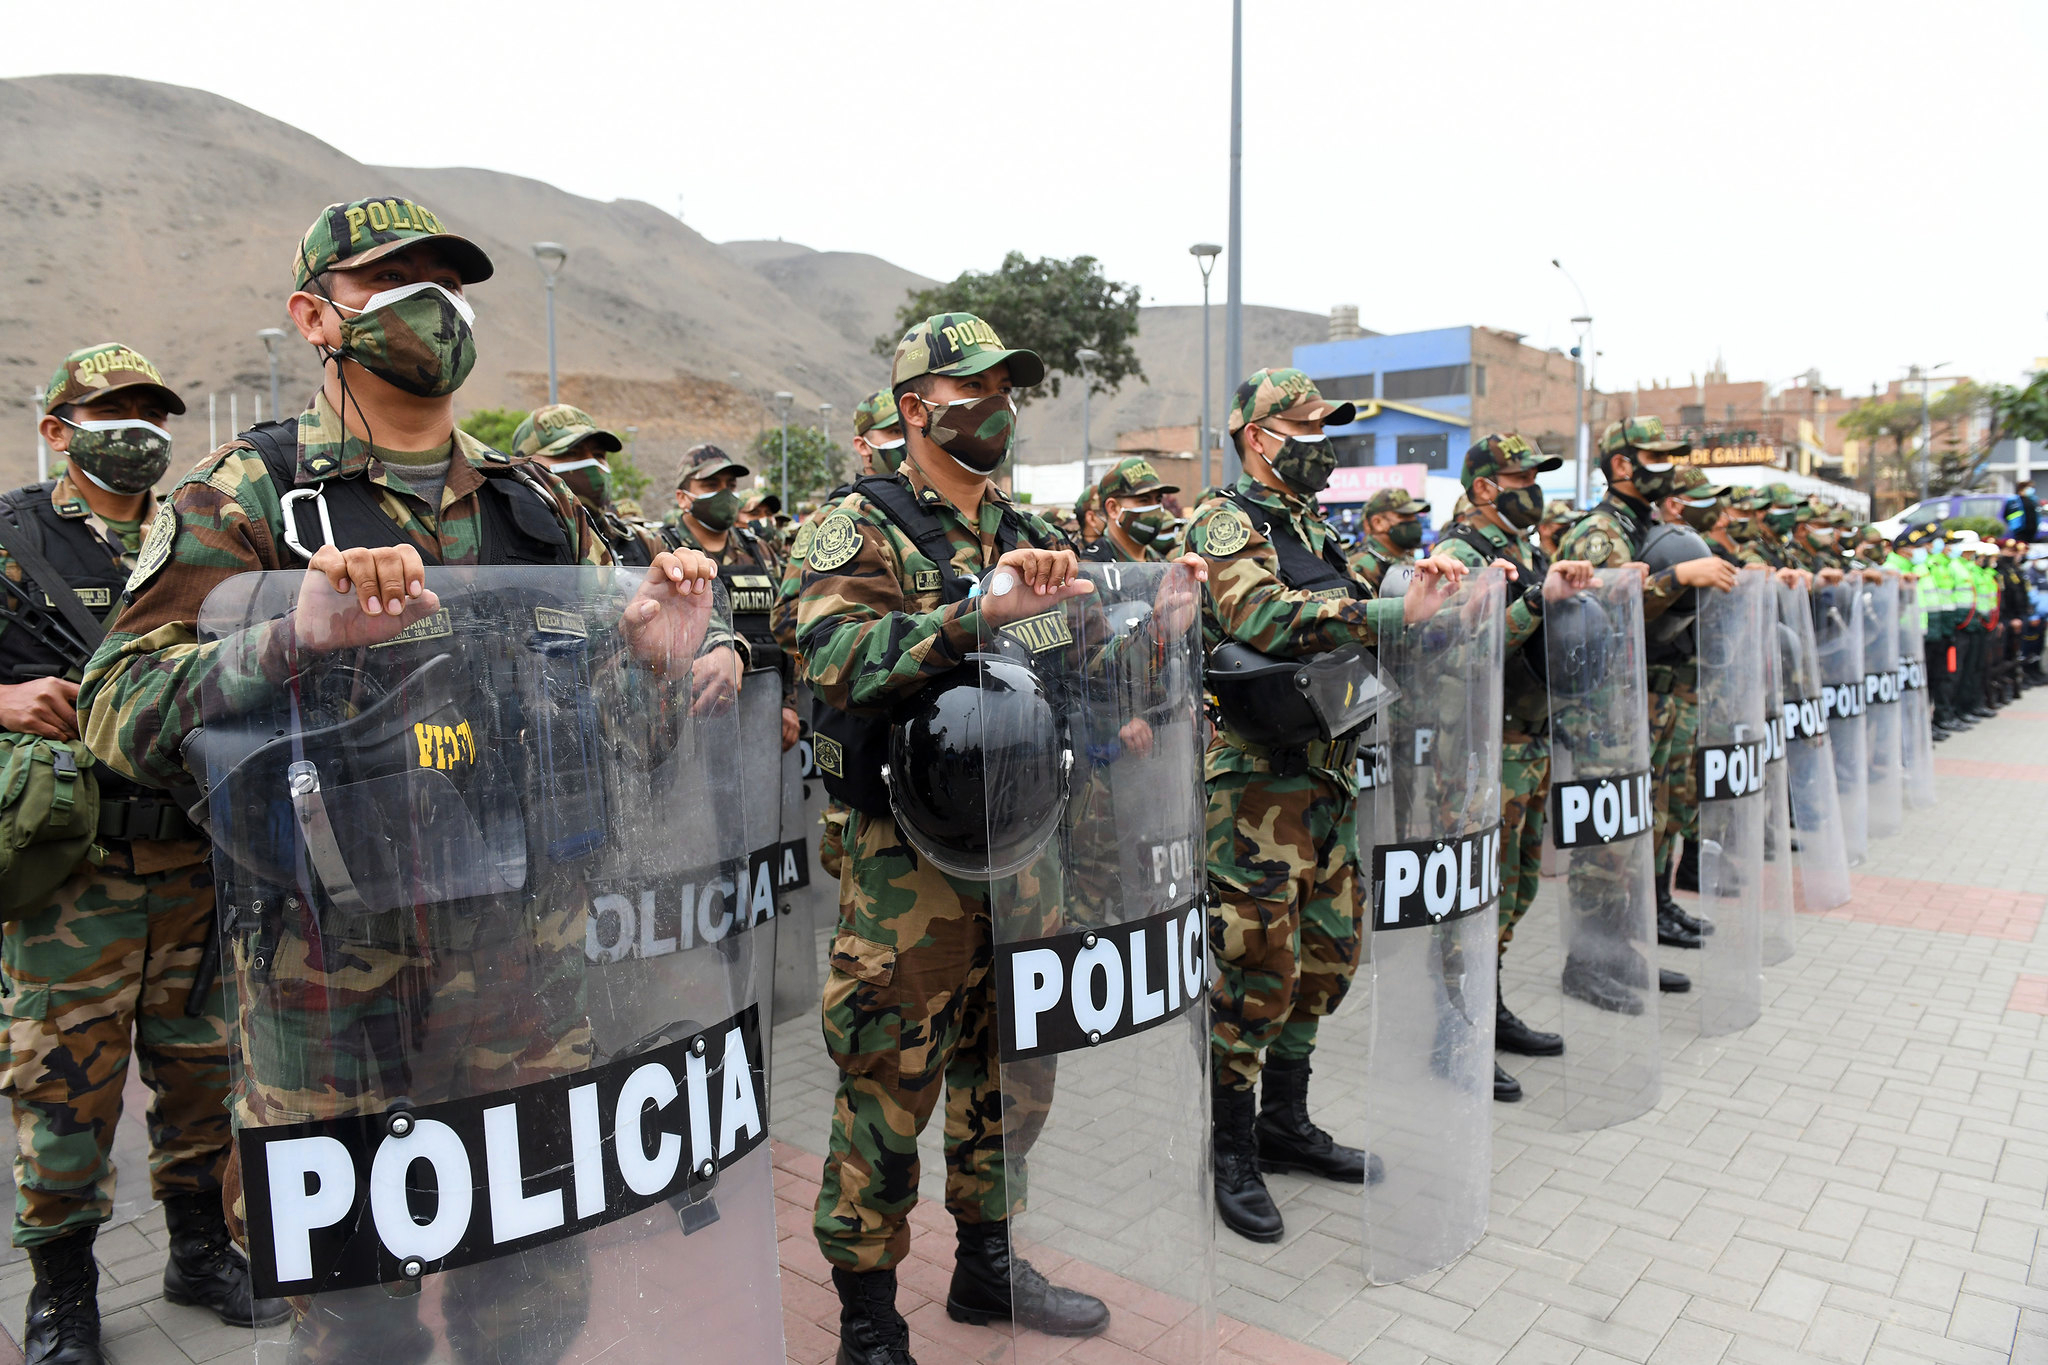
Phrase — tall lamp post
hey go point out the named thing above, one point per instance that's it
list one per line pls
(824, 435)
(1926, 378)
(782, 402)
(270, 337)
(1205, 254)
(551, 255)
(1583, 356)
(1233, 299)
(1087, 358)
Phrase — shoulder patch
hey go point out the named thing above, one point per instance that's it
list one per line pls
(838, 540)
(156, 547)
(801, 546)
(1229, 531)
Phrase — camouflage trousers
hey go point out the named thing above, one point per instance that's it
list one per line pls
(1524, 788)
(1674, 731)
(832, 840)
(106, 969)
(345, 1016)
(1286, 917)
(910, 1008)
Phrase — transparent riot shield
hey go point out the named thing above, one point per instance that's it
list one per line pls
(1838, 634)
(1881, 723)
(1602, 822)
(1729, 773)
(1435, 882)
(1775, 904)
(808, 895)
(1090, 729)
(484, 904)
(760, 799)
(1916, 734)
(1817, 840)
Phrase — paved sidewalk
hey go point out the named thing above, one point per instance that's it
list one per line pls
(1858, 1177)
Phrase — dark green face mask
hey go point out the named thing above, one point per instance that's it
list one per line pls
(589, 480)
(1147, 526)
(1405, 535)
(1521, 508)
(1304, 463)
(716, 511)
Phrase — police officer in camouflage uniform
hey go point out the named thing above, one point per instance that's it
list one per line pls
(403, 487)
(1136, 526)
(1287, 898)
(1558, 515)
(1088, 520)
(706, 520)
(120, 958)
(909, 1006)
(1389, 533)
(1499, 476)
(574, 446)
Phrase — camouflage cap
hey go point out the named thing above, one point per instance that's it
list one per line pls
(1639, 433)
(351, 236)
(1091, 496)
(1782, 496)
(1503, 452)
(878, 409)
(761, 500)
(1394, 499)
(705, 460)
(960, 344)
(94, 371)
(1289, 395)
(554, 429)
(1558, 511)
(1750, 498)
(1128, 478)
(1690, 481)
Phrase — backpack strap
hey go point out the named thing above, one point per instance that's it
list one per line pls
(22, 538)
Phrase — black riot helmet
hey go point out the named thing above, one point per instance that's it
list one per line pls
(1668, 545)
(979, 765)
(1580, 644)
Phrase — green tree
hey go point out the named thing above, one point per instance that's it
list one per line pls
(817, 463)
(629, 480)
(1053, 307)
(2020, 411)
(494, 426)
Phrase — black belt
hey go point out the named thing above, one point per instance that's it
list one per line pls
(145, 820)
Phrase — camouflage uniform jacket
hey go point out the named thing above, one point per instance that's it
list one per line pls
(1522, 622)
(69, 503)
(1107, 551)
(141, 694)
(1371, 560)
(1610, 536)
(1760, 551)
(783, 619)
(872, 622)
(1246, 601)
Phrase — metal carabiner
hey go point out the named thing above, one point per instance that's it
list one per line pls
(318, 493)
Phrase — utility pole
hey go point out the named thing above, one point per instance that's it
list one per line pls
(1087, 358)
(551, 255)
(271, 336)
(782, 402)
(1205, 254)
(1583, 356)
(1233, 305)
(42, 446)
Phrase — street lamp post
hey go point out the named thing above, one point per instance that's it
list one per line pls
(1087, 358)
(1926, 378)
(1233, 299)
(1582, 355)
(824, 437)
(551, 255)
(782, 402)
(1205, 254)
(271, 336)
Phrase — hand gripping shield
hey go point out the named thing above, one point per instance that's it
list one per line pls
(1838, 633)
(483, 892)
(1601, 820)
(1916, 735)
(1808, 711)
(1435, 874)
(1730, 765)
(1882, 719)
(1100, 957)
(1775, 904)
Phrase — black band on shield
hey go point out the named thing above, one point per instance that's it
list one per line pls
(1094, 986)
(1436, 880)
(1727, 772)
(1600, 810)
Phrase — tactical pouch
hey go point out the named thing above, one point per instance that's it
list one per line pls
(49, 817)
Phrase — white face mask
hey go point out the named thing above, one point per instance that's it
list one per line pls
(1304, 440)
(117, 424)
(391, 296)
(896, 444)
(594, 462)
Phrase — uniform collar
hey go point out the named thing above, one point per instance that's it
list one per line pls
(1272, 498)
(994, 502)
(328, 450)
(67, 502)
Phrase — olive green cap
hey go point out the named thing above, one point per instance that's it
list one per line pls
(351, 236)
(555, 429)
(1690, 481)
(1130, 477)
(1396, 499)
(1503, 452)
(703, 461)
(1287, 394)
(960, 344)
(878, 409)
(95, 371)
(1639, 433)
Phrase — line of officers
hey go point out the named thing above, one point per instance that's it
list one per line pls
(885, 587)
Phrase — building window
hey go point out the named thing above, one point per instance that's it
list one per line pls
(1354, 450)
(1434, 451)
(1692, 415)
(1347, 388)
(1438, 381)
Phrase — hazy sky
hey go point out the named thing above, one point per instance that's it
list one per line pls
(1789, 182)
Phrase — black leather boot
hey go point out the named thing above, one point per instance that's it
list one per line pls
(1510, 1034)
(1673, 983)
(1290, 1141)
(1506, 1089)
(63, 1325)
(871, 1331)
(205, 1269)
(1670, 932)
(989, 1285)
(1241, 1199)
(1603, 990)
(1687, 873)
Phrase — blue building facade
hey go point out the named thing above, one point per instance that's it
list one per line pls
(1414, 394)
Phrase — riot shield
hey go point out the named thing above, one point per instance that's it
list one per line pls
(485, 905)
(1817, 839)
(1916, 734)
(1879, 603)
(760, 800)
(1602, 821)
(1838, 634)
(1088, 717)
(809, 897)
(1729, 772)
(1775, 905)
(1435, 881)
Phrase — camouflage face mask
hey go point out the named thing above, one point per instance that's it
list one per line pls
(1407, 534)
(1653, 481)
(1146, 525)
(589, 480)
(716, 511)
(1701, 514)
(416, 338)
(976, 432)
(1521, 508)
(127, 455)
(1304, 463)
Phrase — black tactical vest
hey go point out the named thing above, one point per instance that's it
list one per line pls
(1302, 569)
